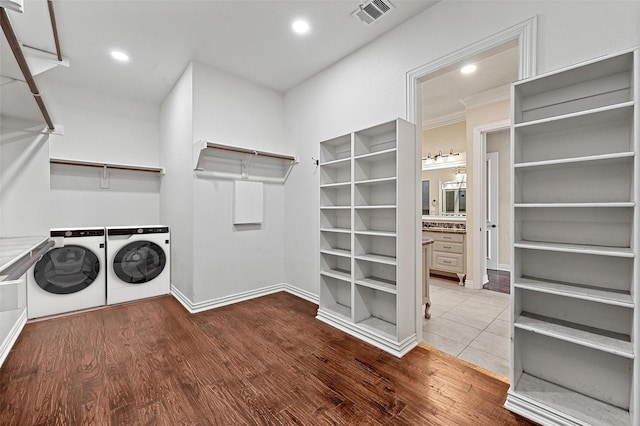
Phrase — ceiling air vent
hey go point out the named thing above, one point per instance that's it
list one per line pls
(372, 10)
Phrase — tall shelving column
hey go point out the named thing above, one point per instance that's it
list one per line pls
(335, 229)
(575, 285)
(368, 225)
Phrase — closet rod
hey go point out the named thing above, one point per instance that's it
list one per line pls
(54, 27)
(249, 151)
(22, 63)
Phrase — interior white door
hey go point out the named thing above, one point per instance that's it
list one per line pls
(491, 211)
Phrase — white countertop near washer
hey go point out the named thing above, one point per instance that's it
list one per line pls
(13, 249)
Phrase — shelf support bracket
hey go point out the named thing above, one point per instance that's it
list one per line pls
(104, 178)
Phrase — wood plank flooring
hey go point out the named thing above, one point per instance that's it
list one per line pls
(499, 281)
(263, 361)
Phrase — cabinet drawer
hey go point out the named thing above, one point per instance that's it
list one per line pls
(448, 262)
(448, 247)
(444, 236)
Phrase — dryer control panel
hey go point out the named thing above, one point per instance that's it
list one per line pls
(139, 231)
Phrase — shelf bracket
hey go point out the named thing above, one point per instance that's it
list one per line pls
(246, 163)
(104, 178)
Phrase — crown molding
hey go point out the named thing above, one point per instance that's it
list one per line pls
(498, 94)
(444, 120)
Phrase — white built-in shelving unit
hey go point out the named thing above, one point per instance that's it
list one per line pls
(575, 287)
(368, 220)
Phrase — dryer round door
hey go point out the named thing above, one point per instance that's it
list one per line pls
(139, 262)
(67, 269)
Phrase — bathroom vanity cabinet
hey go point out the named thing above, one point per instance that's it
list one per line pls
(448, 253)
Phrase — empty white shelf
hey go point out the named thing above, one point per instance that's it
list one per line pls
(379, 326)
(375, 181)
(586, 409)
(377, 258)
(575, 205)
(336, 230)
(336, 185)
(376, 233)
(339, 162)
(337, 252)
(588, 336)
(608, 159)
(338, 310)
(339, 274)
(573, 115)
(575, 291)
(378, 284)
(377, 156)
(574, 248)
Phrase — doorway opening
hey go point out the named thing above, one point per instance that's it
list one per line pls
(466, 320)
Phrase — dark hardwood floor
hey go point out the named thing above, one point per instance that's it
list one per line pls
(498, 281)
(264, 361)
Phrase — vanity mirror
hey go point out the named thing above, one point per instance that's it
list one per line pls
(447, 192)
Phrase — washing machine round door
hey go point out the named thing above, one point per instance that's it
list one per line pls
(67, 269)
(139, 262)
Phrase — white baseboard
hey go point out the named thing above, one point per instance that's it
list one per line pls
(194, 308)
(503, 267)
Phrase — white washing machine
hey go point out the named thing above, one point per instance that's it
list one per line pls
(69, 277)
(139, 259)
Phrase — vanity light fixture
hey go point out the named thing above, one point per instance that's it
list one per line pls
(440, 157)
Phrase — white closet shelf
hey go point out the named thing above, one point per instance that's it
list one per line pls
(584, 336)
(581, 407)
(335, 207)
(336, 230)
(339, 274)
(377, 156)
(376, 233)
(575, 291)
(378, 284)
(575, 205)
(379, 326)
(376, 207)
(336, 185)
(233, 162)
(376, 181)
(586, 113)
(118, 166)
(608, 159)
(336, 252)
(341, 162)
(576, 248)
(338, 310)
(377, 258)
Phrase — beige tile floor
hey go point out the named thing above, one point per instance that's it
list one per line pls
(470, 324)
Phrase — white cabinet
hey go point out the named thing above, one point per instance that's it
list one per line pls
(449, 253)
(368, 218)
(575, 290)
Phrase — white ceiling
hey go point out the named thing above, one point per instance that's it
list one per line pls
(442, 94)
(251, 39)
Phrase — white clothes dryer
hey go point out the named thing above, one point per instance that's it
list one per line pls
(139, 262)
(70, 276)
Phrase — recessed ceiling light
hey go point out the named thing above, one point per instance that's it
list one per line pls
(119, 56)
(468, 69)
(300, 26)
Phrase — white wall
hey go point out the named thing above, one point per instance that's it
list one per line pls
(228, 259)
(176, 192)
(369, 86)
(98, 127)
(24, 179)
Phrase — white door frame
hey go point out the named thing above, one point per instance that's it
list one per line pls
(525, 33)
(479, 154)
(492, 208)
